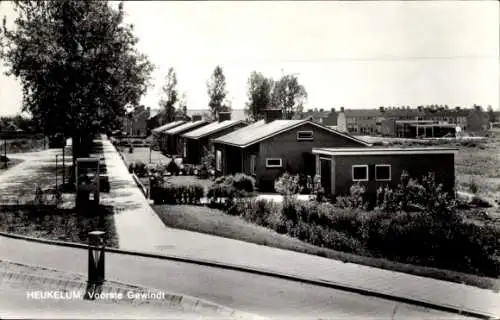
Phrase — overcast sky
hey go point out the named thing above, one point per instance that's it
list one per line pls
(352, 54)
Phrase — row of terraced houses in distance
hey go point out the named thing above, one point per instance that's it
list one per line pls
(391, 121)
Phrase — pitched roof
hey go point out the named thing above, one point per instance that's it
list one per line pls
(210, 129)
(261, 130)
(168, 126)
(185, 127)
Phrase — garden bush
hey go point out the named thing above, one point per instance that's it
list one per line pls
(357, 198)
(177, 194)
(225, 190)
(139, 168)
(288, 184)
(435, 235)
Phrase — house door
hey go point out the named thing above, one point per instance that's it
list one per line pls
(326, 175)
(309, 164)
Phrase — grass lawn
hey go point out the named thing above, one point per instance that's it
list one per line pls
(57, 224)
(23, 145)
(480, 165)
(142, 155)
(217, 223)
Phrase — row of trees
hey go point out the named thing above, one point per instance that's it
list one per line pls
(80, 71)
(285, 93)
(78, 65)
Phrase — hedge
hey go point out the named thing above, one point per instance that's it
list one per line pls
(177, 194)
(408, 237)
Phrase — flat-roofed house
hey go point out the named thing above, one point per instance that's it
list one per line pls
(196, 141)
(376, 167)
(269, 147)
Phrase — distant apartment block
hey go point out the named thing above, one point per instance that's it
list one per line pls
(411, 122)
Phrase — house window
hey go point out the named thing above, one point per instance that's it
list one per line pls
(185, 149)
(253, 164)
(273, 163)
(305, 135)
(360, 173)
(383, 172)
(218, 160)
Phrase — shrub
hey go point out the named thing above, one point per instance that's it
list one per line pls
(207, 163)
(231, 187)
(244, 183)
(355, 199)
(473, 186)
(288, 185)
(418, 237)
(131, 167)
(177, 194)
(140, 169)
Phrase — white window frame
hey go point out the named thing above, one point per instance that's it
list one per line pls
(274, 166)
(253, 164)
(185, 149)
(383, 165)
(359, 166)
(218, 160)
(305, 139)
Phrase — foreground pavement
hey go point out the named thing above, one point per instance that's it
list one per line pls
(22, 287)
(258, 295)
(140, 229)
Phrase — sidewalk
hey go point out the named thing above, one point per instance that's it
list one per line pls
(140, 229)
(20, 284)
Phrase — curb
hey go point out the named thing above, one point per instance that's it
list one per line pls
(186, 303)
(262, 272)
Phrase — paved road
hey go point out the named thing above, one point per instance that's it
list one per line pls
(259, 295)
(13, 304)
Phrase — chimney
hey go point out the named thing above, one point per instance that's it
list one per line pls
(196, 117)
(341, 109)
(457, 108)
(381, 109)
(223, 116)
(333, 110)
(321, 110)
(273, 114)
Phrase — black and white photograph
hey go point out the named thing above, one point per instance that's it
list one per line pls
(287, 160)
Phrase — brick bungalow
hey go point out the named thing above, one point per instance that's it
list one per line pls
(158, 136)
(174, 145)
(340, 168)
(269, 147)
(194, 142)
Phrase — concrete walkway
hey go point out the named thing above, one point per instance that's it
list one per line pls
(140, 229)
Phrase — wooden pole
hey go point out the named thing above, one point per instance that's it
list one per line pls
(64, 163)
